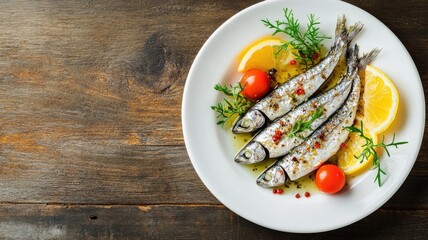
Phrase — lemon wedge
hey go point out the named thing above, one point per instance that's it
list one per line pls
(261, 55)
(380, 100)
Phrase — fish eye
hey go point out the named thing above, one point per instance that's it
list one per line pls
(245, 123)
(248, 154)
(268, 176)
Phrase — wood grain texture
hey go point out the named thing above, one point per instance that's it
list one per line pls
(91, 143)
(181, 222)
(149, 174)
(91, 99)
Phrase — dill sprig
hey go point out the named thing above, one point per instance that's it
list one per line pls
(307, 43)
(369, 149)
(301, 125)
(237, 104)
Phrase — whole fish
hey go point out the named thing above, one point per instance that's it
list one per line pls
(277, 139)
(299, 88)
(325, 141)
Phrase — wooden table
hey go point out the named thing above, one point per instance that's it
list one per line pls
(91, 143)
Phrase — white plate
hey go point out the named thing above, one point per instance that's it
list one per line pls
(210, 148)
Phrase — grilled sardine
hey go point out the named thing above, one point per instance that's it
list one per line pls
(326, 140)
(299, 88)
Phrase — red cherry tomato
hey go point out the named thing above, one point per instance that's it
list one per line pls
(255, 83)
(330, 179)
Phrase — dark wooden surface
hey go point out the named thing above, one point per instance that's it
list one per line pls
(91, 143)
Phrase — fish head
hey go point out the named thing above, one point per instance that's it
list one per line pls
(251, 153)
(274, 176)
(250, 122)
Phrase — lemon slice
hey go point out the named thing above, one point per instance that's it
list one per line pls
(347, 156)
(261, 55)
(378, 108)
(380, 100)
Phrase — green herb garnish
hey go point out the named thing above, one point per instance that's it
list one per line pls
(369, 149)
(238, 104)
(301, 125)
(307, 43)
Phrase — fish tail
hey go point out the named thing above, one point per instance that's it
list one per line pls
(354, 62)
(345, 35)
(368, 57)
(340, 25)
(353, 31)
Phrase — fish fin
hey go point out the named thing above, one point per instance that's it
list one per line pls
(353, 31)
(353, 61)
(368, 57)
(345, 35)
(340, 25)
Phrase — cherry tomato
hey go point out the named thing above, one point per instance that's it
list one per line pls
(330, 179)
(255, 83)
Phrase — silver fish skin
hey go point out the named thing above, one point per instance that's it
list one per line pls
(306, 158)
(328, 102)
(284, 98)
